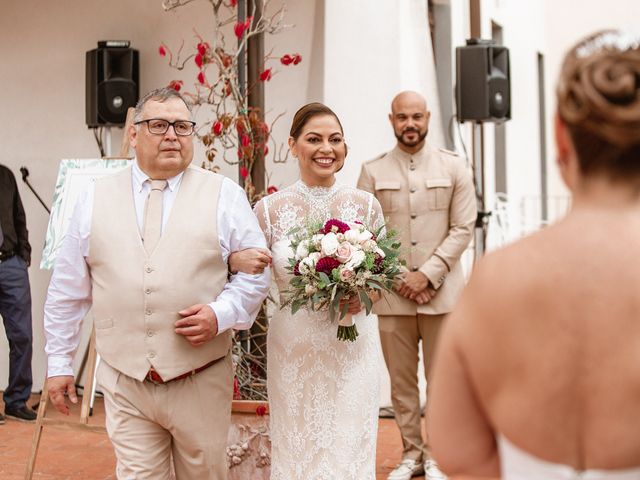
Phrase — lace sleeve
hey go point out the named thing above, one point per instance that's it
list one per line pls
(375, 215)
(261, 211)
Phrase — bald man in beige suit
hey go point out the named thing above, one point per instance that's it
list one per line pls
(427, 195)
(147, 249)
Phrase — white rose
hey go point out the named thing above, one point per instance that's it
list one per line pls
(306, 265)
(364, 236)
(316, 239)
(369, 245)
(380, 252)
(302, 250)
(356, 259)
(352, 236)
(340, 237)
(314, 257)
(329, 244)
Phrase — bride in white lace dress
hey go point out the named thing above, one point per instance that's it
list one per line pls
(323, 392)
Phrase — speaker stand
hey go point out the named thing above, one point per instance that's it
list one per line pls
(478, 174)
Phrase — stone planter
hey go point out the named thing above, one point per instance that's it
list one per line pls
(249, 444)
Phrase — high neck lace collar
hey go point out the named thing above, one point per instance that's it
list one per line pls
(315, 191)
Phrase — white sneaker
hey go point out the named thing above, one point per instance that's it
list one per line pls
(406, 469)
(432, 472)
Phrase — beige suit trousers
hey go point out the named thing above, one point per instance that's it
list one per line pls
(184, 423)
(400, 336)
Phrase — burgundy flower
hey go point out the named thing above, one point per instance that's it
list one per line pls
(271, 189)
(198, 60)
(217, 128)
(286, 59)
(244, 172)
(326, 265)
(377, 264)
(261, 410)
(340, 227)
(266, 75)
(201, 78)
(296, 269)
(162, 51)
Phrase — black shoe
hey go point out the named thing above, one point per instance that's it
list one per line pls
(1, 419)
(23, 413)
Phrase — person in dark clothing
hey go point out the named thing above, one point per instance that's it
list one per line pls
(15, 298)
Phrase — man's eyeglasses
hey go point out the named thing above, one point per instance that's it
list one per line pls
(158, 126)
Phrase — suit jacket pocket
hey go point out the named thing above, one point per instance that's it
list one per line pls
(387, 194)
(439, 191)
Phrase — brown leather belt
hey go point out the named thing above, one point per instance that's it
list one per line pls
(154, 377)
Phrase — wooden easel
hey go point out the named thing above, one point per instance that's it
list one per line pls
(92, 355)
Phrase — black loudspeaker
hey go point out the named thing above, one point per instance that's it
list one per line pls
(111, 83)
(483, 93)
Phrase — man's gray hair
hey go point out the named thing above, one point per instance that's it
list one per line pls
(159, 95)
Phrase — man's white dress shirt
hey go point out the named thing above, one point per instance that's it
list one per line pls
(69, 294)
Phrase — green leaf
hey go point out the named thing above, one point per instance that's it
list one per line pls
(324, 277)
(364, 298)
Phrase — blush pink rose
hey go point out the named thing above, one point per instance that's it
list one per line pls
(343, 253)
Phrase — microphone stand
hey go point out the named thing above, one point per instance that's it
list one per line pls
(25, 174)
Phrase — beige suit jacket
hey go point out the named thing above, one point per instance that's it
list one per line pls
(429, 198)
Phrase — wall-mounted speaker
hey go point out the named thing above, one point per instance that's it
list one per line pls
(483, 92)
(112, 76)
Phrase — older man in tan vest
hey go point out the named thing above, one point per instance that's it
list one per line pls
(146, 250)
(426, 194)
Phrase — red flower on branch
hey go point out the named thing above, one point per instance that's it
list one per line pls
(198, 59)
(244, 172)
(233, 3)
(286, 59)
(245, 140)
(217, 128)
(162, 51)
(261, 410)
(201, 78)
(202, 48)
(266, 75)
(176, 85)
(271, 189)
(240, 28)
(266, 150)
(297, 58)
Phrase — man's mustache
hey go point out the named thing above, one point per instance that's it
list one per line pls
(407, 130)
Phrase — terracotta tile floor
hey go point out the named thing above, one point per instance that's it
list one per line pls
(72, 455)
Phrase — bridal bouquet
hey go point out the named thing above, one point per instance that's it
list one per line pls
(340, 260)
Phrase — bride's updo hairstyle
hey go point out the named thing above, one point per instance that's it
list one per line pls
(599, 100)
(306, 113)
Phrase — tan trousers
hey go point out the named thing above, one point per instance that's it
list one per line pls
(184, 423)
(399, 336)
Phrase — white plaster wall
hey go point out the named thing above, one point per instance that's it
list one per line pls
(566, 22)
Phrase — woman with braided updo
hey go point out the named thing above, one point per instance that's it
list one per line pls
(538, 370)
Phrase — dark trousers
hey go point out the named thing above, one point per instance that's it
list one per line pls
(15, 308)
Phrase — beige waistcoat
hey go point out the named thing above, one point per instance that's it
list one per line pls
(136, 296)
(429, 198)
